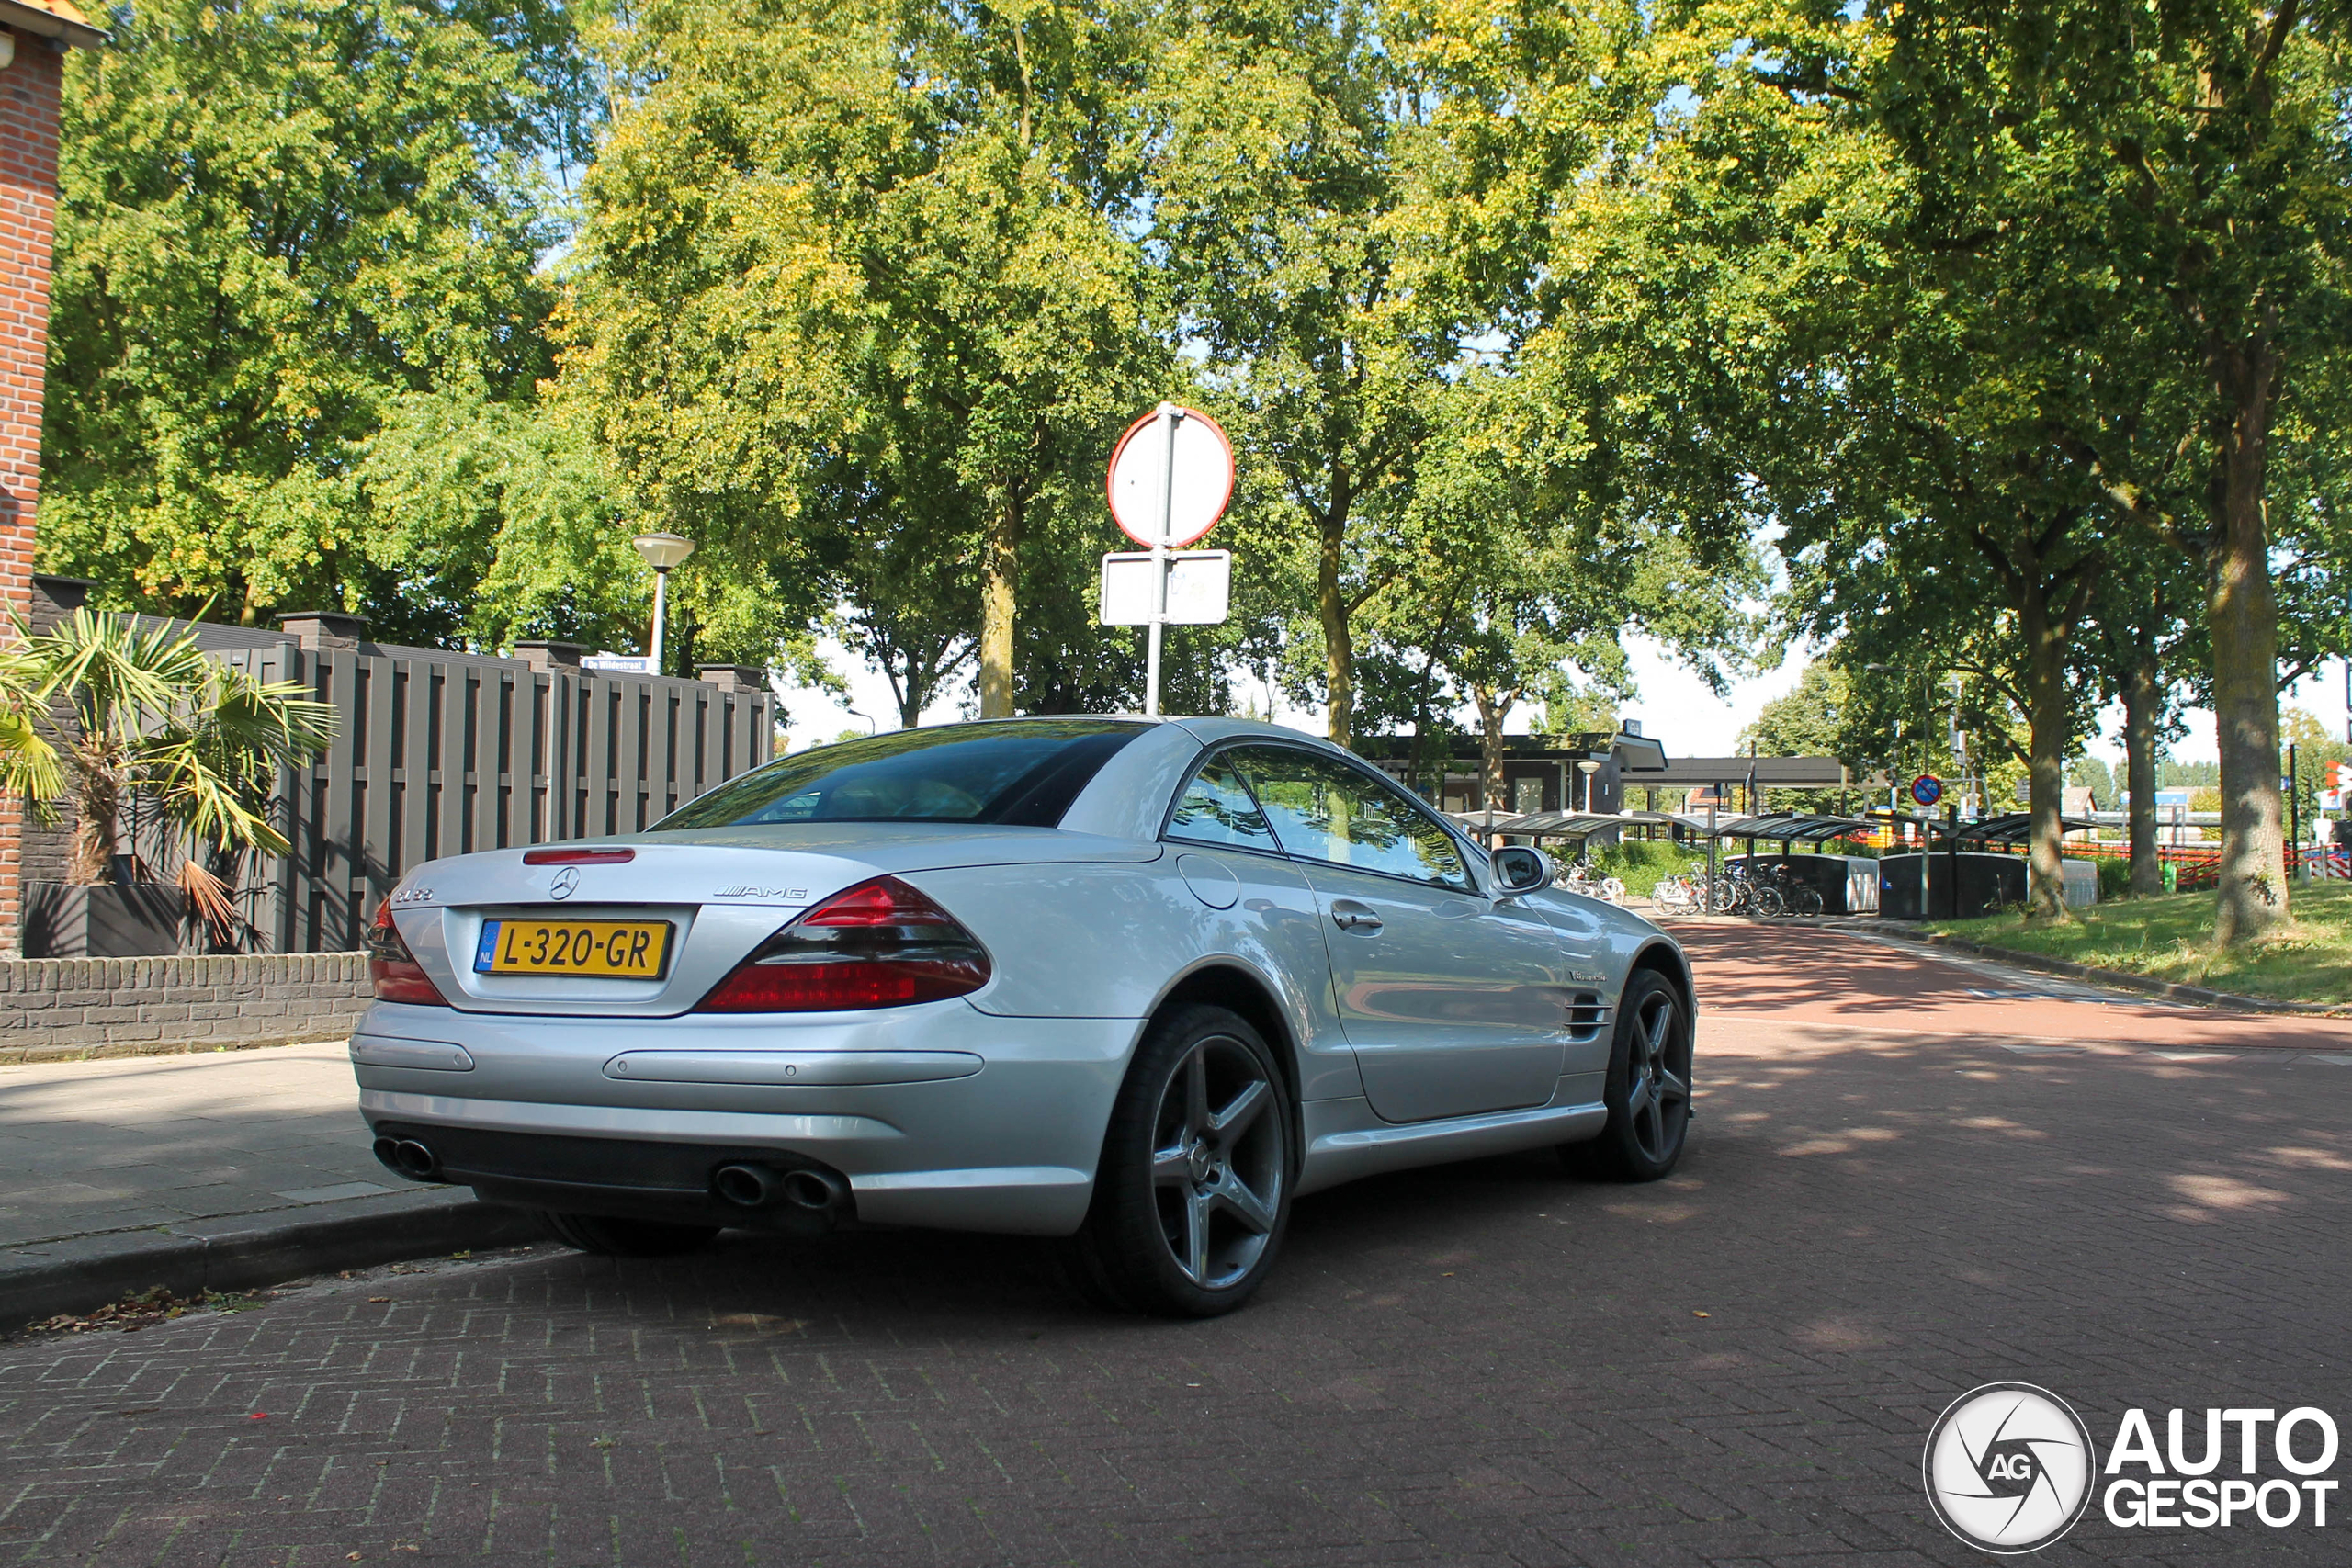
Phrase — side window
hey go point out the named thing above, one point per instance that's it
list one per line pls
(1215, 809)
(1323, 809)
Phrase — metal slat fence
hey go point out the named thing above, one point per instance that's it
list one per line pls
(441, 757)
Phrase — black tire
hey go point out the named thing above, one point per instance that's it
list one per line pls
(609, 1237)
(1193, 1193)
(1648, 1087)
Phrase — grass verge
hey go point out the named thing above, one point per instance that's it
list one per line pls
(2172, 938)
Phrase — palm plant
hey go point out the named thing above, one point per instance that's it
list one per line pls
(105, 708)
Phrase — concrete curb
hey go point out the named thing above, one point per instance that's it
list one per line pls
(241, 1252)
(122, 1050)
(2170, 990)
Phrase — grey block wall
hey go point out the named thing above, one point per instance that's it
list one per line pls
(62, 1010)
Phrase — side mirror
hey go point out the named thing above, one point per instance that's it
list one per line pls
(1519, 869)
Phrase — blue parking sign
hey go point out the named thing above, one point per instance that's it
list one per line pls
(1927, 789)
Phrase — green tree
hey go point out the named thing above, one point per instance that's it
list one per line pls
(1812, 719)
(2181, 169)
(2090, 772)
(498, 520)
(276, 221)
(890, 241)
(1281, 202)
(2146, 626)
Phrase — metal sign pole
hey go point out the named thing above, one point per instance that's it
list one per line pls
(661, 581)
(1172, 415)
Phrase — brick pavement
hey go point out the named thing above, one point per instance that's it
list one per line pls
(1792, 973)
(1488, 1363)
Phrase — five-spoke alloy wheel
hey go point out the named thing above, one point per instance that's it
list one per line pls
(1193, 1189)
(1648, 1088)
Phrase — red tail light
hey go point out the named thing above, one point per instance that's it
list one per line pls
(394, 969)
(578, 857)
(880, 944)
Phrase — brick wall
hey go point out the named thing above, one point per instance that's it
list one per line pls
(56, 1010)
(29, 102)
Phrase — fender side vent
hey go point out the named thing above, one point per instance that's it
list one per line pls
(1587, 1014)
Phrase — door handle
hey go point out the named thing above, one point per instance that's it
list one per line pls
(1350, 916)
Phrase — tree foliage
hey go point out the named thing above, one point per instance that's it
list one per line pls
(275, 223)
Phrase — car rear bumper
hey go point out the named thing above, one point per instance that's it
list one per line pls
(936, 1115)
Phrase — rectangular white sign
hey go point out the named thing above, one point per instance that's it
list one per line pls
(1200, 585)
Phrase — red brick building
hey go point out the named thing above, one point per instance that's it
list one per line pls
(34, 37)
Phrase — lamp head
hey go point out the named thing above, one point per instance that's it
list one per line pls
(662, 551)
(1587, 766)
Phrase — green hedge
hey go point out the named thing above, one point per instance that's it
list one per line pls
(1641, 863)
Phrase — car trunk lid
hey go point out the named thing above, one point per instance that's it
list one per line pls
(719, 892)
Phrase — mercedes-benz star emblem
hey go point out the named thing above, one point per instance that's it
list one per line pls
(565, 882)
(2009, 1467)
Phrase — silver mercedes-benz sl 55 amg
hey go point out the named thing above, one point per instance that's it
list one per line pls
(1136, 983)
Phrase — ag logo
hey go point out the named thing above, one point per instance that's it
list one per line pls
(565, 882)
(2008, 1467)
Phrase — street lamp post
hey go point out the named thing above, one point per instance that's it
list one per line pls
(661, 551)
(1588, 768)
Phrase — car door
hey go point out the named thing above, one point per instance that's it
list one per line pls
(1257, 904)
(1454, 1002)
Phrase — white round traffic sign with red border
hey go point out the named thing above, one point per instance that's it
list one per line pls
(1143, 491)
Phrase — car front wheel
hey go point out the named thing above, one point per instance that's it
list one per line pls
(1193, 1193)
(1648, 1088)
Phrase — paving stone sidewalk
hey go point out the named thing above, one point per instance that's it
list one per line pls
(195, 1172)
(89, 1148)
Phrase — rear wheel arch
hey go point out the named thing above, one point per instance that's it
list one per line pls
(1238, 990)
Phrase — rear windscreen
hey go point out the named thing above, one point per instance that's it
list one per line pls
(1023, 773)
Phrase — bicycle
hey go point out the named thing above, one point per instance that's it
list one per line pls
(1680, 895)
(1579, 878)
(1795, 897)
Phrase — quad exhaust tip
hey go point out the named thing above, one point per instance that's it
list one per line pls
(406, 1157)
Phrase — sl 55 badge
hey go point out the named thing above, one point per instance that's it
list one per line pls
(411, 894)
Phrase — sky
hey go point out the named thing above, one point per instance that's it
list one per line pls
(1674, 707)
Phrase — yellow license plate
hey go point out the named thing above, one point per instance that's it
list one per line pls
(624, 950)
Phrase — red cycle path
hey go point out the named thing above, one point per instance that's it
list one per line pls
(1766, 978)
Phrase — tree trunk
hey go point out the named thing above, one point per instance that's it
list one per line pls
(2045, 682)
(97, 804)
(1338, 643)
(2243, 614)
(2142, 696)
(1422, 740)
(1491, 709)
(1000, 566)
(912, 692)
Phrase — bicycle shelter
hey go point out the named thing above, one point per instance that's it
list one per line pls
(1962, 882)
(1848, 885)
